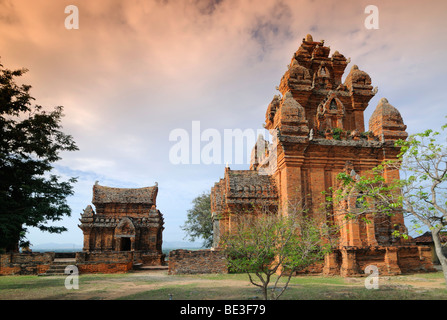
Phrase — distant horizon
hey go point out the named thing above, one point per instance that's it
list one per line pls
(55, 245)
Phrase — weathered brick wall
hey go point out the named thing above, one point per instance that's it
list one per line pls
(104, 262)
(87, 262)
(105, 257)
(415, 259)
(389, 260)
(25, 263)
(371, 256)
(315, 268)
(197, 261)
(104, 267)
(153, 259)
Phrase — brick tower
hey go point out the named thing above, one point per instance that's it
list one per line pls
(319, 131)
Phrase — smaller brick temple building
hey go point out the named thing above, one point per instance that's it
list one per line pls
(124, 233)
(125, 220)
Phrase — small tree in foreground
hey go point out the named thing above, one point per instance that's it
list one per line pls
(420, 194)
(269, 245)
(424, 186)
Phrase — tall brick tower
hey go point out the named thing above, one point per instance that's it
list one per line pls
(318, 124)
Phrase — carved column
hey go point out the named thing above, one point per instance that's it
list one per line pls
(290, 188)
(353, 223)
(354, 233)
(132, 243)
(370, 231)
(86, 240)
(349, 263)
(317, 186)
(117, 243)
(331, 266)
(391, 261)
(426, 256)
(97, 241)
(343, 241)
(108, 240)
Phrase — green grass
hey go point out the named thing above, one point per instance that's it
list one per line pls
(321, 292)
(159, 286)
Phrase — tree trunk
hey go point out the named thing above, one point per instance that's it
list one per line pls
(438, 250)
(265, 292)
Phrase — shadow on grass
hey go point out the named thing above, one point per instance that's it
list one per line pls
(30, 282)
(308, 292)
(304, 288)
(217, 287)
(194, 292)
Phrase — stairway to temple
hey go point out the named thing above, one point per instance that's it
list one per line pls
(57, 267)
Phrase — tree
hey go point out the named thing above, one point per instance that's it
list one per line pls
(270, 247)
(424, 188)
(199, 223)
(420, 194)
(30, 142)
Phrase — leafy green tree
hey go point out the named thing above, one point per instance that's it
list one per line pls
(30, 142)
(271, 248)
(199, 224)
(424, 186)
(420, 193)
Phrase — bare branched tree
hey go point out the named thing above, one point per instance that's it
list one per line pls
(420, 193)
(270, 247)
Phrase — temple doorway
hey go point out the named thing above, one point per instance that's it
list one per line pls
(125, 244)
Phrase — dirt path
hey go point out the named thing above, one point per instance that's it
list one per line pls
(142, 281)
(407, 281)
(157, 284)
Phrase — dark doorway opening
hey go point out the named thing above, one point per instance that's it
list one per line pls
(125, 244)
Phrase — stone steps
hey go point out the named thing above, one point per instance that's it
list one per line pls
(140, 266)
(154, 268)
(57, 267)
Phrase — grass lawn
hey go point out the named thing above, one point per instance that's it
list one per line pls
(158, 285)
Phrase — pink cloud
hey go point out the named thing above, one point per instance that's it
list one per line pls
(137, 69)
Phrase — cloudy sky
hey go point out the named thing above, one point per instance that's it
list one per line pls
(135, 71)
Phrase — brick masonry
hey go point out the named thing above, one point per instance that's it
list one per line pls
(318, 131)
(125, 220)
(197, 261)
(39, 263)
(105, 267)
(25, 263)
